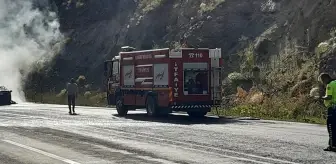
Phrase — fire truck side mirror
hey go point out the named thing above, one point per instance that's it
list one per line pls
(114, 77)
(105, 68)
(108, 68)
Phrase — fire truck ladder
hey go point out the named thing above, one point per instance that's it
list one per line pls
(216, 87)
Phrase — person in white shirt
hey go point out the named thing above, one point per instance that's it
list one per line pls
(72, 91)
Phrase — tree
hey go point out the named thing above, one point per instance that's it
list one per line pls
(81, 81)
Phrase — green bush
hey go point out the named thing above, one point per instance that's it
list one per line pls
(87, 94)
(210, 5)
(149, 5)
(62, 93)
(323, 48)
(81, 80)
(235, 76)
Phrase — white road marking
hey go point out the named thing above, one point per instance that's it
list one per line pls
(42, 152)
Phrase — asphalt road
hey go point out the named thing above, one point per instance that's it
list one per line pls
(36, 133)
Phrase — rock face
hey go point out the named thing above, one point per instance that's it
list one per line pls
(97, 29)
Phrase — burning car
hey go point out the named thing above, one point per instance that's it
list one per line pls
(5, 96)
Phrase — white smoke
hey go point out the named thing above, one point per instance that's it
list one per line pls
(27, 37)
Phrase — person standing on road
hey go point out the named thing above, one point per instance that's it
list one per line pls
(330, 103)
(72, 90)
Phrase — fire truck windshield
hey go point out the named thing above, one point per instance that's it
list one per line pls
(196, 78)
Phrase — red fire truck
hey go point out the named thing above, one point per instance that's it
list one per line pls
(164, 80)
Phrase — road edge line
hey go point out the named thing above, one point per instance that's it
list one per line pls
(41, 152)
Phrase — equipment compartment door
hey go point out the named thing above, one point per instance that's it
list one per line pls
(143, 82)
(128, 84)
(161, 84)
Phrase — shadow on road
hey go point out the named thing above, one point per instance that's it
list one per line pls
(180, 119)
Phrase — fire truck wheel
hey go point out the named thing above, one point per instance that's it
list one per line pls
(151, 107)
(121, 109)
(197, 114)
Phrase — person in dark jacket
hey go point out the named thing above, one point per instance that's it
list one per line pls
(72, 91)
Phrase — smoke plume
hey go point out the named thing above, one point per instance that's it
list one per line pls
(29, 34)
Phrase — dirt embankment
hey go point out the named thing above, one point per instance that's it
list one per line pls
(279, 38)
(97, 29)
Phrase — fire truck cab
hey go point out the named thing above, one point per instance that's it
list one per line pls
(164, 80)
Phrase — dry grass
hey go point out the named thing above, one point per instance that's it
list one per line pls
(276, 107)
(149, 5)
(294, 65)
(209, 5)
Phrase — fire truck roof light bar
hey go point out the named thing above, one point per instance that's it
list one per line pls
(194, 48)
(144, 51)
(163, 49)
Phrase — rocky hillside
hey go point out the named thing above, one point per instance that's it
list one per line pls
(278, 36)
